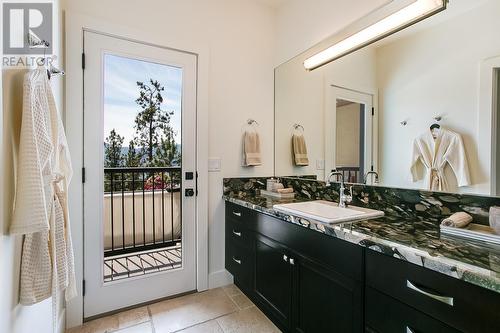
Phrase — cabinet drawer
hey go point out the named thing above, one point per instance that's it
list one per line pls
(237, 232)
(239, 262)
(387, 315)
(461, 305)
(239, 213)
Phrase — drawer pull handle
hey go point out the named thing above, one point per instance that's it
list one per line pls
(292, 261)
(237, 213)
(236, 233)
(285, 258)
(443, 299)
(409, 330)
(237, 261)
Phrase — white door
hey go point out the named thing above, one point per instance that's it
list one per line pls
(139, 159)
(348, 133)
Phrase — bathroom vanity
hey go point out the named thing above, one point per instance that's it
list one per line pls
(313, 277)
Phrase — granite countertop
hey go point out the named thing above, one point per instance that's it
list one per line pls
(413, 240)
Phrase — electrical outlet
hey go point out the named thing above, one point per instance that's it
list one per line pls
(214, 164)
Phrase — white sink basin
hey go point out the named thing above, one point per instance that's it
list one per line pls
(328, 212)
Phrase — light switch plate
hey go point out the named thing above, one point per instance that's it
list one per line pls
(214, 164)
(320, 164)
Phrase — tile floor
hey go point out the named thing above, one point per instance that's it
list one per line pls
(220, 310)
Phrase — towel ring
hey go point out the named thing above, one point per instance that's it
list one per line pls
(252, 121)
(297, 126)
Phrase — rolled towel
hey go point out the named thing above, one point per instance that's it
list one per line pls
(285, 190)
(277, 186)
(457, 220)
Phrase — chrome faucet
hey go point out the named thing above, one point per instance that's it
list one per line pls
(344, 199)
(365, 179)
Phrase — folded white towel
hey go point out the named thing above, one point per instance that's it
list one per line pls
(251, 149)
(457, 220)
(299, 150)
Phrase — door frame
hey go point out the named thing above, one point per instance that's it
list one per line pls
(75, 24)
(332, 91)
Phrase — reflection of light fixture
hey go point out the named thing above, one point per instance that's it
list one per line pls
(416, 11)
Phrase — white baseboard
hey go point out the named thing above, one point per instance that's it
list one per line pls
(219, 279)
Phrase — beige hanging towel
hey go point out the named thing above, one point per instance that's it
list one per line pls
(251, 148)
(299, 150)
(41, 209)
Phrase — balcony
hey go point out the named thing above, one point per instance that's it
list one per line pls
(142, 221)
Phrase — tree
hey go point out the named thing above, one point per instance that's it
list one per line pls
(167, 153)
(151, 122)
(113, 150)
(133, 158)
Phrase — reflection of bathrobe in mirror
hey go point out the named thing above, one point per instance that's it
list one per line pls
(434, 153)
(41, 211)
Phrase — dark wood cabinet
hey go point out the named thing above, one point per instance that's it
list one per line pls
(325, 301)
(308, 282)
(273, 279)
(302, 280)
(458, 304)
(387, 315)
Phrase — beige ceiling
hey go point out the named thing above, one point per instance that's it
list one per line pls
(272, 3)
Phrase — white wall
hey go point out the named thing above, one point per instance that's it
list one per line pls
(436, 72)
(240, 38)
(15, 318)
(348, 137)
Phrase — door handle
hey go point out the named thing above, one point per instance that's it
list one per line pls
(237, 233)
(189, 192)
(443, 299)
(237, 261)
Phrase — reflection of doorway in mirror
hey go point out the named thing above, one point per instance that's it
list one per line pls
(349, 133)
(349, 148)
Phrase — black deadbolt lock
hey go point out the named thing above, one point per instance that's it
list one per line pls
(189, 192)
(189, 175)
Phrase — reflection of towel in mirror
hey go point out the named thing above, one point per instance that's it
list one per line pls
(251, 149)
(457, 220)
(299, 150)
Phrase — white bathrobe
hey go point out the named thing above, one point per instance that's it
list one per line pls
(40, 210)
(435, 153)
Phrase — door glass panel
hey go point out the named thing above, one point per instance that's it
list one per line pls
(142, 167)
(350, 130)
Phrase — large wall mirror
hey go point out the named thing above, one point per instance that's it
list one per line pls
(419, 107)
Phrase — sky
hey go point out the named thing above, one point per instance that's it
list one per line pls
(120, 92)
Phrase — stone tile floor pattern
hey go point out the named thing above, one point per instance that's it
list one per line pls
(221, 310)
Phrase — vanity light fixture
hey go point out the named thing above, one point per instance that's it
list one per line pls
(409, 15)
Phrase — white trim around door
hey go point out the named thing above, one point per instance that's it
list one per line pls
(75, 26)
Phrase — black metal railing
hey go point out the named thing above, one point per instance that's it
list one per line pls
(351, 174)
(142, 209)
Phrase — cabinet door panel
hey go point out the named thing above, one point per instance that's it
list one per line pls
(387, 315)
(325, 300)
(273, 279)
(239, 262)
